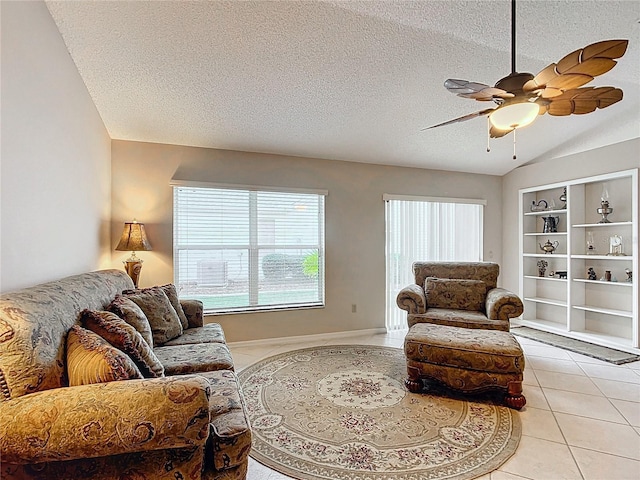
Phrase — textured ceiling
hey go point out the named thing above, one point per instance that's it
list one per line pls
(348, 80)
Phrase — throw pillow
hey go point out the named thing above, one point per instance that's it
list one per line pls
(90, 359)
(455, 293)
(162, 317)
(131, 313)
(172, 294)
(124, 337)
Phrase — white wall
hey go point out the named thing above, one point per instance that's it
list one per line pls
(355, 225)
(612, 158)
(55, 154)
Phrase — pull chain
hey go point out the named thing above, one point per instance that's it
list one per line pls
(514, 143)
(488, 135)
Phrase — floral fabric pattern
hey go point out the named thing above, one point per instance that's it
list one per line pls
(193, 310)
(458, 318)
(230, 437)
(154, 428)
(162, 317)
(131, 313)
(167, 464)
(464, 359)
(106, 419)
(484, 271)
(124, 337)
(182, 359)
(172, 294)
(210, 333)
(502, 304)
(451, 303)
(455, 293)
(34, 323)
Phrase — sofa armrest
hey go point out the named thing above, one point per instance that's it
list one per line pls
(412, 299)
(105, 419)
(502, 304)
(193, 311)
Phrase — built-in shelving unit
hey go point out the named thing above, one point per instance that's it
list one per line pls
(599, 311)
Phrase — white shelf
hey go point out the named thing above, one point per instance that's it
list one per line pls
(547, 301)
(603, 257)
(598, 225)
(537, 234)
(540, 324)
(546, 212)
(559, 308)
(620, 284)
(607, 311)
(553, 279)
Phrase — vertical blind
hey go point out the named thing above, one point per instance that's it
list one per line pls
(427, 229)
(245, 249)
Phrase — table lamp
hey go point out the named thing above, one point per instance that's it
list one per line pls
(134, 239)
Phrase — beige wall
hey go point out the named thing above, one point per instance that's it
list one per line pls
(55, 154)
(355, 227)
(613, 158)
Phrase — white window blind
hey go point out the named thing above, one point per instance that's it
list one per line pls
(244, 249)
(427, 230)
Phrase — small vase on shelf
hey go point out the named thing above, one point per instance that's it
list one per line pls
(542, 267)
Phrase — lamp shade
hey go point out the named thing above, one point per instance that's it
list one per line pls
(134, 238)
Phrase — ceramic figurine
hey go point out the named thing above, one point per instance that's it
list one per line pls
(629, 275)
(592, 274)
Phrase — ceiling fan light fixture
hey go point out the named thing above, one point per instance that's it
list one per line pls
(515, 115)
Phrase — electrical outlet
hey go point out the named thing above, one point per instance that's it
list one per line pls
(353, 308)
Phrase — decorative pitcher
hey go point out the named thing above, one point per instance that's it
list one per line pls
(550, 224)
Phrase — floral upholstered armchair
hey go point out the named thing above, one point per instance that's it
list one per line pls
(459, 294)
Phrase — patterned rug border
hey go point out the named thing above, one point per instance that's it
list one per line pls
(606, 354)
(506, 452)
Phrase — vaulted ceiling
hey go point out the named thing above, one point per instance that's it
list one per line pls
(350, 80)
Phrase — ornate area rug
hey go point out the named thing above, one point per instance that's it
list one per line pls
(342, 412)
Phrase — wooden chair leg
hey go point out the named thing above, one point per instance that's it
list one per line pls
(413, 382)
(514, 397)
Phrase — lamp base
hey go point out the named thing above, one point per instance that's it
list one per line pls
(133, 269)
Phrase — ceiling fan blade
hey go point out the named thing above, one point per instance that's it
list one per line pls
(474, 90)
(605, 49)
(463, 118)
(577, 68)
(593, 67)
(566, 82)
(541, 79)
(580, 101)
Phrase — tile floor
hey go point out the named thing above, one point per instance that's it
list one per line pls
(581, 421)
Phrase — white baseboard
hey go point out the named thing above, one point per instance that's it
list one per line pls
(309, 338)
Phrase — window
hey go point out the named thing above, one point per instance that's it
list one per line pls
(427, 229)
(244, 249)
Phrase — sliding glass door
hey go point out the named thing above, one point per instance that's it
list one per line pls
(427, 229)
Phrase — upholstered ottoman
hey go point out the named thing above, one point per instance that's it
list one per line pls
(465, 359)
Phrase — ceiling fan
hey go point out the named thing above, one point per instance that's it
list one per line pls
(521, 97)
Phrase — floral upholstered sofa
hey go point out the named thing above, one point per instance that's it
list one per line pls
(171, 411)
(459, 294)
